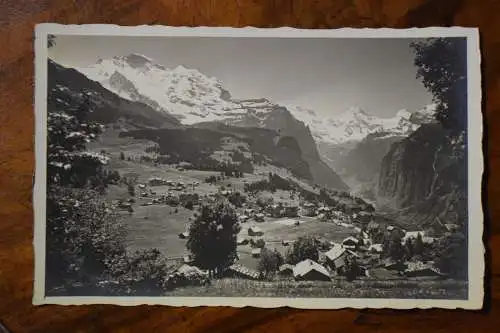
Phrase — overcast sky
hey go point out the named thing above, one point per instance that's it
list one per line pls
(327, 75)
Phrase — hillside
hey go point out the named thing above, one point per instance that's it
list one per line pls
(424, 176)
(364, 159)
(281, 120)
(196, 99)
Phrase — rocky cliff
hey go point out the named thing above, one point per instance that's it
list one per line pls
(424, 176)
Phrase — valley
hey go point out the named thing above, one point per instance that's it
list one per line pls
(364, 204)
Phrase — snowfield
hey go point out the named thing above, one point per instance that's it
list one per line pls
(194, 97)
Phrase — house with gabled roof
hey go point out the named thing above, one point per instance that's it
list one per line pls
(350, 243)
(311, 271)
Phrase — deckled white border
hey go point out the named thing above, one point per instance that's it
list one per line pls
(475, 163)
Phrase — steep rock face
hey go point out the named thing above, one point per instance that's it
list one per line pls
(282, 121)
(425, 176)
(406, 173)
(262, 113)
(363, 161)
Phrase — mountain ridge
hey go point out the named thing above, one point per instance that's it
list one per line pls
(194, 98)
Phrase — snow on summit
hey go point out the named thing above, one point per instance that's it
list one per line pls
(194, 97)
(355, 124)
(185, 93)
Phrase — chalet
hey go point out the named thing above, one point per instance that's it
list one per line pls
(420, 269)
(255, 231)
(242, 241)
(156, 181)
(286, 242)
(259, 217)
(243, 218)
(184, 235)
(240, 271)
(311, 271)
(286, 270)
(335, 257)
(390, 228)
(256, 252)
(324, 209)
(249, 211)
(189, 272)
(375, 248)
(309, 209)
(350, 243)
(412, 235)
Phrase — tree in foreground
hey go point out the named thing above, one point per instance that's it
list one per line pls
(213, 236)
(442, 66)
(351, 268)
(452, 255)
(393, 248)
(82, 236)
(304, 248)
(269, 263)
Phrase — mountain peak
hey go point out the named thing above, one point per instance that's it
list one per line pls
(136, 57)
(403, 114)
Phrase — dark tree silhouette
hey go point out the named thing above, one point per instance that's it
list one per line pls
(212, 236)
(442, 66)
(304, 248)
(269, 262)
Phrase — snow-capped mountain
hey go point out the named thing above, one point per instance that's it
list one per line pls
(356, 124)
(185, 93)
(194, 98)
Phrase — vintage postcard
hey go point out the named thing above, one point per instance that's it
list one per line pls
(258, 167)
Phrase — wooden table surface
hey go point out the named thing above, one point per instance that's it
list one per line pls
(17, 20)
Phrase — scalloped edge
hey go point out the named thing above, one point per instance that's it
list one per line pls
(475, 165)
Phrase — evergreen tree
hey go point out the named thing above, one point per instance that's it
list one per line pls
(419, 245)
(442, 66)
(212, 236)
(304, 248)
(269, 263)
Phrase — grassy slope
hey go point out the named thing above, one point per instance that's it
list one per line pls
(158, 226)
(409, 289)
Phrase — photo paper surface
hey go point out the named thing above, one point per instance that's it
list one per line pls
(315, 169)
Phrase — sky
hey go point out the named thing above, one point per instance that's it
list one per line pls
(327, 75)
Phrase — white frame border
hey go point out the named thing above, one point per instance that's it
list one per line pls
(476, 249)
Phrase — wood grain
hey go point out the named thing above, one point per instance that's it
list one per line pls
(17, 20)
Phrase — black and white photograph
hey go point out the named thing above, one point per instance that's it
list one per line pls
(258, 167)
